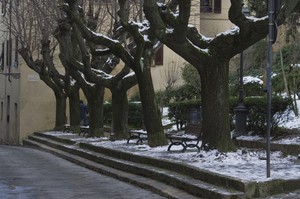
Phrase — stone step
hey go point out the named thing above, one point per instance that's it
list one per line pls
(170, 177)
(203, 175)
(143, 182)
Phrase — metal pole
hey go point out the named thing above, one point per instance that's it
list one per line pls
(241, 110)
(241, 97)
(269, 82)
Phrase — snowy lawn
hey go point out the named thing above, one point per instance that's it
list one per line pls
(245, 164)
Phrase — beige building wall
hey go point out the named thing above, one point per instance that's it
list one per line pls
(9, 109)
(214, 23)
(37, 103)
(9, 88)
(158, 73)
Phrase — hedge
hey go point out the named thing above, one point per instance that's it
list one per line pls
(256, 122)
(135, 116)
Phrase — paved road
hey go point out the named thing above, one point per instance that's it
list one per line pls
(31, 174)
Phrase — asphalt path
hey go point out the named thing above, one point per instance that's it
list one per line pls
(27, 173)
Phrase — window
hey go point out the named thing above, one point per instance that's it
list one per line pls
(217, 6)
(16, 52)
(1, 119)
(16, 117)
(2, 57)
(207, 6)
(159, 56)
(3, 7)
(8, 52)
(8, 108)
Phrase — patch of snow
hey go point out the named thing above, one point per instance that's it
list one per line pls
(232, 31)
(255, 19)
(250, 79)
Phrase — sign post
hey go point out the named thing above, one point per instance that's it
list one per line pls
(273, 9)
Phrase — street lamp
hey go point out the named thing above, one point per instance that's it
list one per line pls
(241, 110)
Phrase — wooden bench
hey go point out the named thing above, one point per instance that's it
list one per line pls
(140, 135)
(84, 130)
(190, 138)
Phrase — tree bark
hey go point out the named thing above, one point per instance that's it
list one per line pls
(119, 114)
(95, 108)
(151, 112)
(60, 119)
(74, 110)
(215, 106)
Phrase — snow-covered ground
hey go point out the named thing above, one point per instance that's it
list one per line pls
(245, 164)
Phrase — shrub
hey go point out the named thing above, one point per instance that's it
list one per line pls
(135, 116)
(178, 111)
(257, 116)
(252, 87)
(256, 122)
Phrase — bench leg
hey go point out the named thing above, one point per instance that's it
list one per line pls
(82, 131)
(139, 141)
(137, 136)
(191, 145)
(66, 130)
(176, 144)
(132, 137)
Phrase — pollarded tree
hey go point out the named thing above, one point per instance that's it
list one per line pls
(31, 22)
(83, 69)
(88, 62)
(139, 60)
(169, 23)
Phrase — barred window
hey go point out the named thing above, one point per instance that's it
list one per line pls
(207, 6)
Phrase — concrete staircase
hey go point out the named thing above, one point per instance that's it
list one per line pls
(167, 178)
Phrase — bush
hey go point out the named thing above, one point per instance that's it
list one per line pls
(256, 122)
(135, 116)
(107, 113)
(252, 87)
(178, 111)
(135, 97)
(257, 116)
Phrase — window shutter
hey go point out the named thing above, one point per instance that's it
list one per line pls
(159, 56)
(205, 6)
(217, 6)
(2, 56)
(16, 51)
(8, 52)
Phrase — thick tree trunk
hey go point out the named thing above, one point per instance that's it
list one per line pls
(215, 106)
(74, 110)
(119, 114)
(151, 112)
(95, 107)
(60, 119)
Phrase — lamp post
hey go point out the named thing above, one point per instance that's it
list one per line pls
(241, 110)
